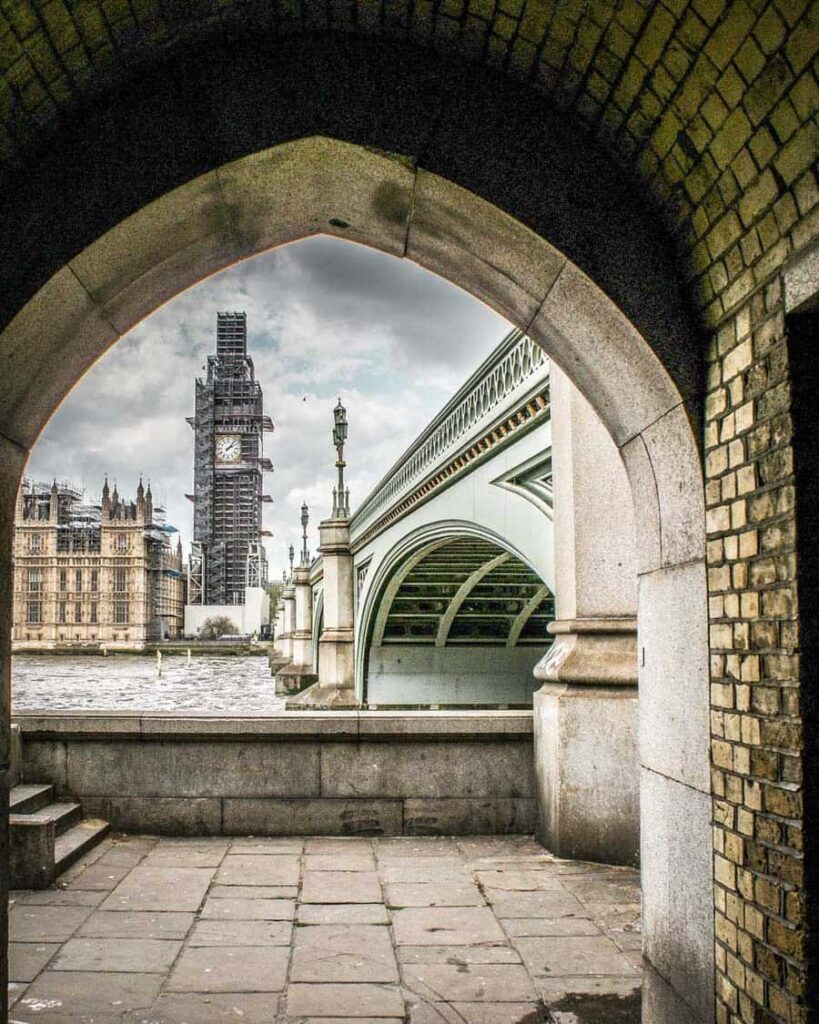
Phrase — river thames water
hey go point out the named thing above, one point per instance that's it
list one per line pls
(228, 684)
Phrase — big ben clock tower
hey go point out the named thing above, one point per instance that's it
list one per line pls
(229, 425)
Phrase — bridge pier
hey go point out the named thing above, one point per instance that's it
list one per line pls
(585, 714)
(298, 673)
(336, 670)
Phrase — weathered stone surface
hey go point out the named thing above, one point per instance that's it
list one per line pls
(243, 870)
(117, 955)
(27, 959)
(290, 817)
(343, 953)
(457, 955)
(343, 913)
(447, 983)
(575, 955)
(426, 770)
(241, 933)
(147, 888)
(212, 1008)
(230, 969)
(346, 1000)
(67, 995)
(129, 924)
(433, 894)
(341, 887)
(451, 926)
(33, 923)
(248, 910)
(168, 770)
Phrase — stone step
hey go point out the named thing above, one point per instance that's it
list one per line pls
(70, 846)
(64, 815)
(29, 797)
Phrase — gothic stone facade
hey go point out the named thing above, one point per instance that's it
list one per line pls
(87, 576)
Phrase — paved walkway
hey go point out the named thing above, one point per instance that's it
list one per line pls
(431, 931)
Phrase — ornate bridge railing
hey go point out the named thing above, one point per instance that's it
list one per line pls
(507, 394)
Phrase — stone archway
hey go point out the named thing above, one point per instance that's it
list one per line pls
(321, 185)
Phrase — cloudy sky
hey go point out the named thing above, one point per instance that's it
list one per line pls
(325, 318)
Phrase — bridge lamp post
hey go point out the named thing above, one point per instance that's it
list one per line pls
(291, 553)
(305, 519)
(341, 497)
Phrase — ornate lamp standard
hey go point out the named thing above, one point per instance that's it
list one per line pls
(305, 519)
(341, 496)
(291, 553)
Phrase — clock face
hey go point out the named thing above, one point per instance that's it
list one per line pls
(228, 448)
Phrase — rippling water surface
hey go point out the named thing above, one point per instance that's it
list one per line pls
(234, 685)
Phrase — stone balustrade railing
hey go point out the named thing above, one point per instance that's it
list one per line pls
(515, 372)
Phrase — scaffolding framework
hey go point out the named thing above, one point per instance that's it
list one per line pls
(228, 496)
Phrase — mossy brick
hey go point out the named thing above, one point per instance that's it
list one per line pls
(802, 43)
(799, 153)
(767, 89)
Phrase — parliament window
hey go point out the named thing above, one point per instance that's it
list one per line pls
(120, 611)
(120, 580)
(61, 612)
(78, 612)
(35, 581)
(34, 611)
(95, 580)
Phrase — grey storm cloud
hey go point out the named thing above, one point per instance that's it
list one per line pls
(326, 318)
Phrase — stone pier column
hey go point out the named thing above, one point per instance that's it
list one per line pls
(298, 674)
(586, 735)
(336, 681)
(288, 620)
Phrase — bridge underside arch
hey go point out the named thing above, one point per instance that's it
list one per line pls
(459, 621)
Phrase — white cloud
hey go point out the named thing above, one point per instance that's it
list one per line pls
(325, 318)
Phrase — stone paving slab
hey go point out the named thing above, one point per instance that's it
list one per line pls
(241, 933)
(149, 888)
(492, 983)
(434, 894)
(453, 926)
(71, 996)
(343, 913)
(348, 1000)
(248, 910)
(343, 953)
(258, 870)
(137, 924)
(341, 887)
(27, 959)
(230, 969)
(135, 956)
(327, 930)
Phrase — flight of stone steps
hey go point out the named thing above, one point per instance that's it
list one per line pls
(46, 835)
